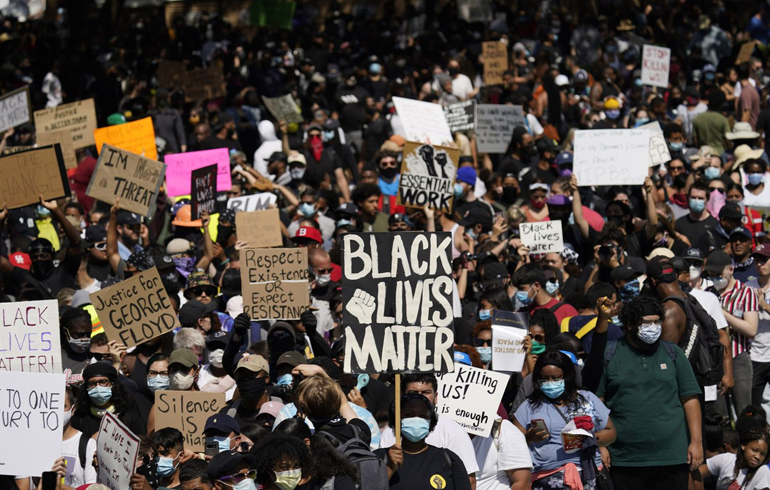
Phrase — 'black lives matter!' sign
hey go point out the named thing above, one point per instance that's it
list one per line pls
(203, 190)
(397, 297)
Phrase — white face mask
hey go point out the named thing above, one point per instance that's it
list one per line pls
(181, 381)
(322, 280)
(67, 417)
(215, 357)
(694, 273)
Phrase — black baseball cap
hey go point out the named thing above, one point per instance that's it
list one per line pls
(693, 254)
(740, 232)
(730, 210)
(225, 463)
(494, 274)
(231, 282)
(661, 268)
(95, 234)
(194, 309)
(400, 218)
(624, 273)
(717, 261)
(128, 218)
(476, 214)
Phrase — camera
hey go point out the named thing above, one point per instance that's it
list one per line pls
(605, 251)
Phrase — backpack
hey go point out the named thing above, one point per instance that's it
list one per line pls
(360, 455)
(700, 342)
(584, 330)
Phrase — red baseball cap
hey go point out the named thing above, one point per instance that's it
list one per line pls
(20, 259)
(309, 232)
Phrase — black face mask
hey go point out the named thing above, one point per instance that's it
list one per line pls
(223, 234)
(617, 220)
(388, 172)
(251, 389)
(453, 71)
(41, 268)
(510, 194)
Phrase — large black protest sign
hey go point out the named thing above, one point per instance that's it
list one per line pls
(204, 190)
(461, 116)
(397, 297)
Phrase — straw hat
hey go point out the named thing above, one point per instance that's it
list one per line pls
(742, 131)
(743, 153)
(625, 25)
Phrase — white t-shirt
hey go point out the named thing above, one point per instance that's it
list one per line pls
(509, 452)
(723, 467)
(448, 435)
(760, 344)
(711, 304)
(76, 474)
(462, 86)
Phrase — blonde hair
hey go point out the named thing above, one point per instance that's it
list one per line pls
(319, 398)
(514, 215)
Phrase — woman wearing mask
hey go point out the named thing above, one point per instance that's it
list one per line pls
(213, 377)
(482, 341)
(558, 408)
(753, 176)
(283, 462)
(74, 466)
(543, 327)
(752, 219)
(157, 374)
(745, 470)
(493, 299)
(536, 209)
(415, 464)
(183, 371)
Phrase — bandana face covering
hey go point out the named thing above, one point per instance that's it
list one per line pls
(317, 147)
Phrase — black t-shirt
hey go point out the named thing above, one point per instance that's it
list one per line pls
(763, 124)
(379, 88)
(693, 230)
(530, 175)
(317, 170)
(375, 134)
(61, 277)
(433, 468)
(99, 271)
(351, 105)
(212, 143)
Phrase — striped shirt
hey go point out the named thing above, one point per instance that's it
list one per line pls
(736, 301)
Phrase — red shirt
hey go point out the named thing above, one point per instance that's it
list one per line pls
(561, 312)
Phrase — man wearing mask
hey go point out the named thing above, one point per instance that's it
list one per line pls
(308, 209)
(657, 413)
(350, 103)
(698, 221)
(745, 269)
(170, 449)
(97, 265)
(47, 278)
(297, 168)
(251, 377)
(674, 135)
(741, 309)
(464, 196)
(322, 162)
(462, 87)
(730, 220)
(544, 171)
(224, 135)
(612, 112)
(532, 294)
(388, 164)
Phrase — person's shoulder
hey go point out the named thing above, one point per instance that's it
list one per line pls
(449, 427)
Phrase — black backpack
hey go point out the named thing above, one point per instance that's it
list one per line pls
(371, 469)
(700, 342)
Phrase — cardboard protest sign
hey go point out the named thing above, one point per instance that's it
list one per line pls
(461, 116)
(133, 178)
(273, 13)
(397, 297)
(117, 449)
(32, 408)
(204, 83)
(659, 153)
(542, 237)
(259, 228)
(14, 108)
(253, 202)
(187, 411)
(79, 117)
(495, 125)
(655, 65)
(28, 174)
(470, 396)
(274, 282)
(474, 10)
(744, 55)
(428, 176)
(423, 122)
(495, 56)
(611, 156)
(135, 310)
(283, 108)
(170, 74)
(181, 165)
(204, 191)
(62, 137)
(10, 150)
(30, 339)
(508, 332)
(137, 137)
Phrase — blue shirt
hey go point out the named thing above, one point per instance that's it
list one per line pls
(389, 189)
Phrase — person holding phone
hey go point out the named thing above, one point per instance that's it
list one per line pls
(554, 403)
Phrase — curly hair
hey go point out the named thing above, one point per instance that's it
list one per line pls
(547, 321)
(121, 400)
(632, 313)
(751, 435)
(480, 327)
(275, 447)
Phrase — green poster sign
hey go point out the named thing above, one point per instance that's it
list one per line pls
(273, 13)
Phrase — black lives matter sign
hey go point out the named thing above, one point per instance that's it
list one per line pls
(397, 297)
(203, 189)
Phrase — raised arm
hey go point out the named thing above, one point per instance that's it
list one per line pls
(652, 213)
(577, 207)
(112, 237)
(69, 230)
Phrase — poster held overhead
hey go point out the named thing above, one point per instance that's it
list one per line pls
(495, 56)
(79, 117)
(30, 340)
(284, 108)
(495, 125)
(423, 122)
(542, 237)
(29, 174)
(64, 138)
(470, 396)
(274, 282)
(204, 191)
(14, 108)
(253, 202)
(181, 165)
(656, 62)
(611, 156)
(461, 116)
(259, 228)
(136, 136)
(659, 153)
(428, 176)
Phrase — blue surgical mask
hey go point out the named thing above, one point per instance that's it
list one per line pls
(285, 380)
(158, 383)
(458, 190)
(649, 333)
(552, 389)
(222, 441)
(415, 428)
(711, 173)
(638, 82)
(166, 466)
(755, 179)
(630, 290)
(552, 287)
(471, 233)
(641, 121)
(307, 210)
(485, 315)
(523, 298)
(612, 113)
(697, 205)
(676, 146)
(485, 353)
(100, 395)
(297, 173)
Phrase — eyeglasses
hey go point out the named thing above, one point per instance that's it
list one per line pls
(200, 290)
(482, 342)
(104, 383)
(388, 163)
(238, 477)
(538, 338)
(155, 374)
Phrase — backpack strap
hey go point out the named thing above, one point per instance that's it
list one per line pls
(446, 457)
(555, 307)
(670, 349)
(587, 328)
(82, 445)
(234, 408)
(565, 324)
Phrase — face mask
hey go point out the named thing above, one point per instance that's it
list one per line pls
(185, 265)
(616, 320)
(510, 194)
(552, 389)
(222, 441)
(166, 466)
(453, 71)
(67, 417)
(79, 346)
(523, 298)
(662, 242)
(552, 287)
(41, 268)
(288, 480)
(297, 173)
(100, 395)
(251, 389)
(676, 146)
(158, 383)
(537, 348)
(720, 282)
(223, 234)
(711, 173)
(697, 205)
(388, 172)
(649, 333)
(755, 179)
(458, 190)
(323, 280)
(307, 210)
(537, 204)
(247, 484)
(641, 121)
(317, 147)
(694, 272)
(180, 381)
(485, 353)
(415, 428)
(485, 315)
(285, 380)
(612, 114)
(328, 136)
(630, 291)
(215, 357)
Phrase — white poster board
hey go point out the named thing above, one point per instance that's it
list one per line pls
(542, 237)
(508, 332)
(14, 109)
(30, 337)
(655, 65)
(611, 156)
(32, 407)
(253, 202)
(116, 449)
(470, 396)
(659, 153)
(495, 125)
(423, 122)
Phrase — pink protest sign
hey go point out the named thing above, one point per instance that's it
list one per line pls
(181, 165)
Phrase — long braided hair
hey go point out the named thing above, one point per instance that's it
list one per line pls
(749, 436)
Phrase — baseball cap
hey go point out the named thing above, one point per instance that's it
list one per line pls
(730, 210)
(185, 357)
(661, 268)
(467, 175)
(717, 261)
(693, 254)
(95, 234)
(217, 340)
(162, 260)
(740, 231)
(400, 218)
(292, 358)
(763, 250)
(561, 80)
(198, 278)
(462, 358)
(494, 274)
(624, 273)
(270, 408)
(226, 462)
(20, 260)
(564, 158)
(223, 423)
(178, 246)
(297, 158)
(580, 76)
(234, 306)
(661, 252)
(476, 215)
(128, 218)
(308, 232)
(191, 311)
(252, 362)
(347, 208)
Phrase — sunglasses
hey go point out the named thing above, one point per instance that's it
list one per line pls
(199, 290)
(324, 271)
(712, 189)
(761, 259)
(388, 163)
(538, 338)
(239, 477)
(482, 342)
(100, 246)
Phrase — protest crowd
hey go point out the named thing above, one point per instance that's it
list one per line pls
(461, 245)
